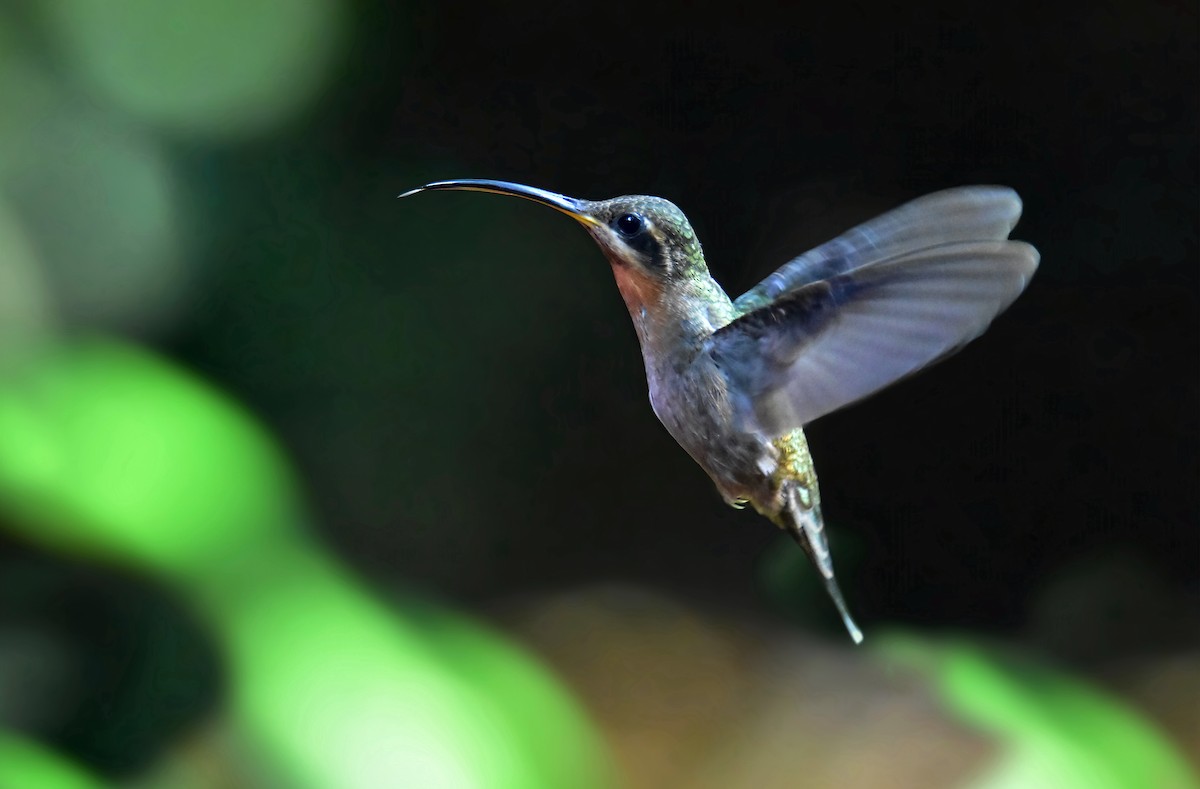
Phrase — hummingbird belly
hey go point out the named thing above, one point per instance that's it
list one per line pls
(707, 417)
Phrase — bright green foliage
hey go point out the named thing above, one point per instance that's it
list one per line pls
(107, 450)
(344, 692)
(26, 765)
(1058, 733)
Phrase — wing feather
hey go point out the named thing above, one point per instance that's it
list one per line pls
(969, 213)
(830, 342)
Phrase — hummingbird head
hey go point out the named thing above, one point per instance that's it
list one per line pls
(647, 240)
(649, 236)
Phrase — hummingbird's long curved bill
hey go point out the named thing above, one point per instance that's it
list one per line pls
(576, 209)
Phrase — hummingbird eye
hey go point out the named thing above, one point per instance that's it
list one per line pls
(629, 225)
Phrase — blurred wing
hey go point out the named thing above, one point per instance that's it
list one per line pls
(829, 343)
(970, 213)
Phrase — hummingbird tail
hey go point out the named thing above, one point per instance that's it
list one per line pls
(806, 527)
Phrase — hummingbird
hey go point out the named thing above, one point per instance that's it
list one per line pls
(734, 381)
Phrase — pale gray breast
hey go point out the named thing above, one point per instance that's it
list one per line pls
(711, 420)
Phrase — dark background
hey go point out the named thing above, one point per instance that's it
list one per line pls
(461, 389)
(459, 380)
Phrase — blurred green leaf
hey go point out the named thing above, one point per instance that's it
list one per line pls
(25, 311)
(94, 194)
(209, 68)
(106, 449)
(344, 692)
(1060, 733)
(554, 735)
(27, 765)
